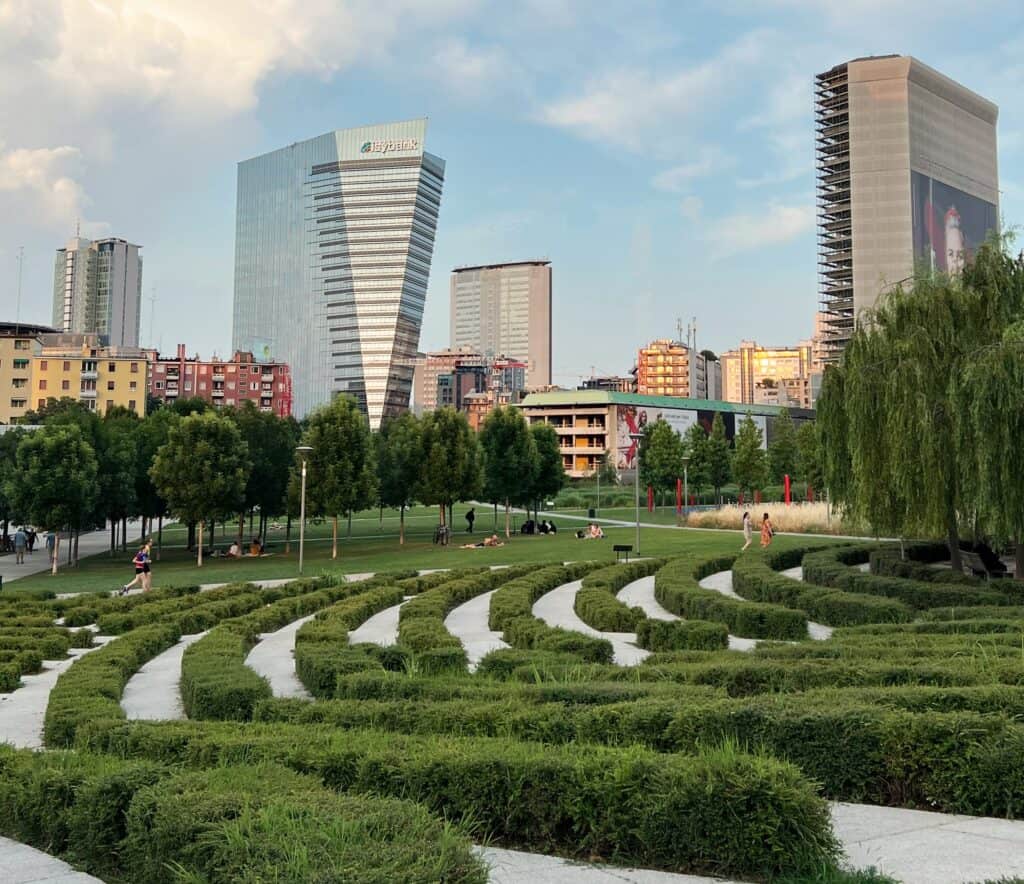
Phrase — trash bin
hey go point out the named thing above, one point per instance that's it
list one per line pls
(591, 513)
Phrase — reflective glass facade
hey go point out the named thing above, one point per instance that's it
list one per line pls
(333, 246)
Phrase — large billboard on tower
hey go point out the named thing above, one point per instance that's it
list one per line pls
(948, 224)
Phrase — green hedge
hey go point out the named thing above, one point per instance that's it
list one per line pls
(596, 603)
(828, 568)
(216, 683)
(134, 821)
(682, 635)
(753, 578)
(718, 811)
(676, 589)
(888, 562)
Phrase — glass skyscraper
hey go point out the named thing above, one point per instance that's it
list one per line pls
(334, 238)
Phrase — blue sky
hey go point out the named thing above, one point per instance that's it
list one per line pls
(659, 153)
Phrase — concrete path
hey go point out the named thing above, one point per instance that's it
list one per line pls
(468, 623)
(381, 629)
(516, 867)
(556, 608)
(274, 658)
(640, 594)
(21, 864)
(817, 631)
(153, 693)
(917, 847)
(23, 711)
(89, 544)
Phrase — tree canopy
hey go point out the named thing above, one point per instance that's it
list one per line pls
(399, 461)
(510, 459)
(749, 461)
(451, 468)
(783, 451)
(718, 456)
(661, 456)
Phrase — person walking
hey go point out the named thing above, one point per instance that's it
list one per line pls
(748, 530)
(30, 539)
(139, 561)
(147, 571)
(51, 540)
(767, 532)
(20, 542)
(470, 519)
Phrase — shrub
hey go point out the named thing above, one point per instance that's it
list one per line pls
(682, 635)
(216, 683)
(676, 588)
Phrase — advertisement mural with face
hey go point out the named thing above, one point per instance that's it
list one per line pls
(949, 225)
(632, 419)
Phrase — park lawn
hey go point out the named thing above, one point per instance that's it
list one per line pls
(372, 548)
(661, 516)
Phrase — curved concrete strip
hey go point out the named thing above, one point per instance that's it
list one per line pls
(381, 629)
(21, 864)
(721, 582)
(468, 623)
(23, 711)
(640, 594)
(274, 658)
(817, 631)
(556, 608)
(153, 693)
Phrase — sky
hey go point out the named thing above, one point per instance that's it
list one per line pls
(660, 154)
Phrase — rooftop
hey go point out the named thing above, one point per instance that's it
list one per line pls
(610, 397)
(539, 262)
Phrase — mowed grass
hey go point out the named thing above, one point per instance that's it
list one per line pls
(374, 546)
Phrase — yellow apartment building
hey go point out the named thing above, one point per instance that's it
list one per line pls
(78, 367)
(19, 343)
(759, 375)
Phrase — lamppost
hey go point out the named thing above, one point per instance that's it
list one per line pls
(303, 453)
(636, 437)
(686, 486)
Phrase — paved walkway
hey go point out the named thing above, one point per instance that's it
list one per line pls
(21, 864)
(273, 657)
(557, 609)
(381, 629)
(153, 693)
(23, 711)
(516, 867)
(468, 623)
(89, 544)
(817, 631)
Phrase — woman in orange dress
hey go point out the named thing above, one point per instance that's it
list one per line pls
(767, 532)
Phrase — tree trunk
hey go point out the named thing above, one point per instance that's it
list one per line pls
(251, 512)
(953, 539)
(124, 537)
(495, 515)
(508, 519)
(113, 537)
(380, 527)
(334, 539)
(199, 560)
(77, 533)
(401, 525)
(241, 528)
(1018, 558)
(56, 553)
(288, 537)
(350, 524)
(451, 514)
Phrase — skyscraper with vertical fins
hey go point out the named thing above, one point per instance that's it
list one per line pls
(334, 239)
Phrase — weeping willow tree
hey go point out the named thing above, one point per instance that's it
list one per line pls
(890, 413)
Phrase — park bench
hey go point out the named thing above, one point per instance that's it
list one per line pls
(622, 548)
(973, 564)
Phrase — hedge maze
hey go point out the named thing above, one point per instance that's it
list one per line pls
(699, 759)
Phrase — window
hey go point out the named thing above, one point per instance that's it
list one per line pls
(42, 365)
(131, 405)
(65, 385)
(231, 385)
(188, 386)
(18, 383)
(160, 369)
(67, 365)
(135, 368)
(133, 385)
(111, 366)
(20, 364)
(42, 384)
(110, 404)
(42, 403)
(21, 403)
(21, 344)
(110, 385)
(159, 385)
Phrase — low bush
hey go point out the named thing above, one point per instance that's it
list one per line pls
(887, 562)
(596, 603)
(753, 578)
(676, 588)
(216, 683)
(718, 811)
(682, 635)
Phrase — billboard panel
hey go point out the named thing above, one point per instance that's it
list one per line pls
(948, 224)
(633, 418)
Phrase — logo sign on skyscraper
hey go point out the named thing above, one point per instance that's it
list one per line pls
(388, 145)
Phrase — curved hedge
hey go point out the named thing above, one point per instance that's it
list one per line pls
(676, 589)
(596, 604)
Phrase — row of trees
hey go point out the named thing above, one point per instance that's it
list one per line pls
(921, 422)
(202, 466)
(711, 463)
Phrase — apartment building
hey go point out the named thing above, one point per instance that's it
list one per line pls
(19, 342)
(79, 367)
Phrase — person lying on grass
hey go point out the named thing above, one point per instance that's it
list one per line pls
(487, 541)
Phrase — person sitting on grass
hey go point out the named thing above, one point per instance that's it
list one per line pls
(487, 541)
(233, 551)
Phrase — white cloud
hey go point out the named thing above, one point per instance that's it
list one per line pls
(678, 178)
(470, 71)
(691, 207)
(634, 108)
(43, 182)
(744, 231)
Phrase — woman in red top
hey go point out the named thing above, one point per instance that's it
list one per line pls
(141, 562)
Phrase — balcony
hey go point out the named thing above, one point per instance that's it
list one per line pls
(89, 375)
(218, 376)
(218, 394)
(86, 394)
(268, 377)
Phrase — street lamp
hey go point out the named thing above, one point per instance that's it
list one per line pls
(303, 451)
(686, 485)
(636, 437)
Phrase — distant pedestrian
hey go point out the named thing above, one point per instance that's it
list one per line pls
(767, 532)
(30, 539)
(51, 541)
(141, 565)
(20, 542)
(147, 571)
(748, 530)
(470, 519)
